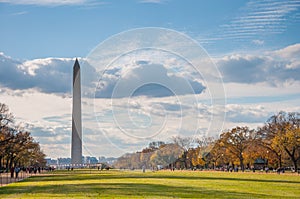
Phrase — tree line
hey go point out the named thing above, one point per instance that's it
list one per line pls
(274, 145)
(17, 146)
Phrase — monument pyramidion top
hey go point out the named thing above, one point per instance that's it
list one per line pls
(76, 64)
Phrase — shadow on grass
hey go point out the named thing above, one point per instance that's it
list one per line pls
(135, 184)
(127, 190)
(121, 175)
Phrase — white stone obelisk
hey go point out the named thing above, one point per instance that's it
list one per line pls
(76, 148)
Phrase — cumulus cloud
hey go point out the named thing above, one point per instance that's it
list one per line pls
(289, 55)
(48, 75)
(244, 69)
(239, 113)
(153, 86)
(52, 135)
(274, 67)
(145, 79)
(54, 75)
(133, 123)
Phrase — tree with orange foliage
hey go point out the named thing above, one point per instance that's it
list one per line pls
(236, 142)
(281, 135)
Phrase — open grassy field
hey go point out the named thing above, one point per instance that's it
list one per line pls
(162, 184)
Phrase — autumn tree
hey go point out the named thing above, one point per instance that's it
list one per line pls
(6, 119)
(195, 156)
(16, 145)
(278, 142)
(266, 139)
(218, 154)
(236, 142)
(281, 135)
(199, 155)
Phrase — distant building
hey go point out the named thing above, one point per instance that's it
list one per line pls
(86, 160)
(51, 161)
(90, 160)
(63, 161)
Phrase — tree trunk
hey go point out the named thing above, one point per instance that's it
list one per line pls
(7, 164)
(185, 159)
(279, 160)
(242, 164)
(292, 156)
(295, 164)
(11, 161)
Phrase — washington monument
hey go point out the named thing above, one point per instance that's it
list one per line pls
(76, 148)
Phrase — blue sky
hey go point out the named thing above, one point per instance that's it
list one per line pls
(252, 45)
(73, 28)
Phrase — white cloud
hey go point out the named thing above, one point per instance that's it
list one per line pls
(36, 105)
(144, 78)
(46, 116)
(48, 75)
(258, 42)
(289, 52)
(137, 121)
(255, 113)
(289, 56)
(124, 78)
(255, 91)
(49, 119)
(274, 67)
(112, 127)
(246, 113)
(260, 18)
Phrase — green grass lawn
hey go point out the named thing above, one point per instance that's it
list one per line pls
(162, 184)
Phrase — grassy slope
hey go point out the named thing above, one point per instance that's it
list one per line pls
(163, 184)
